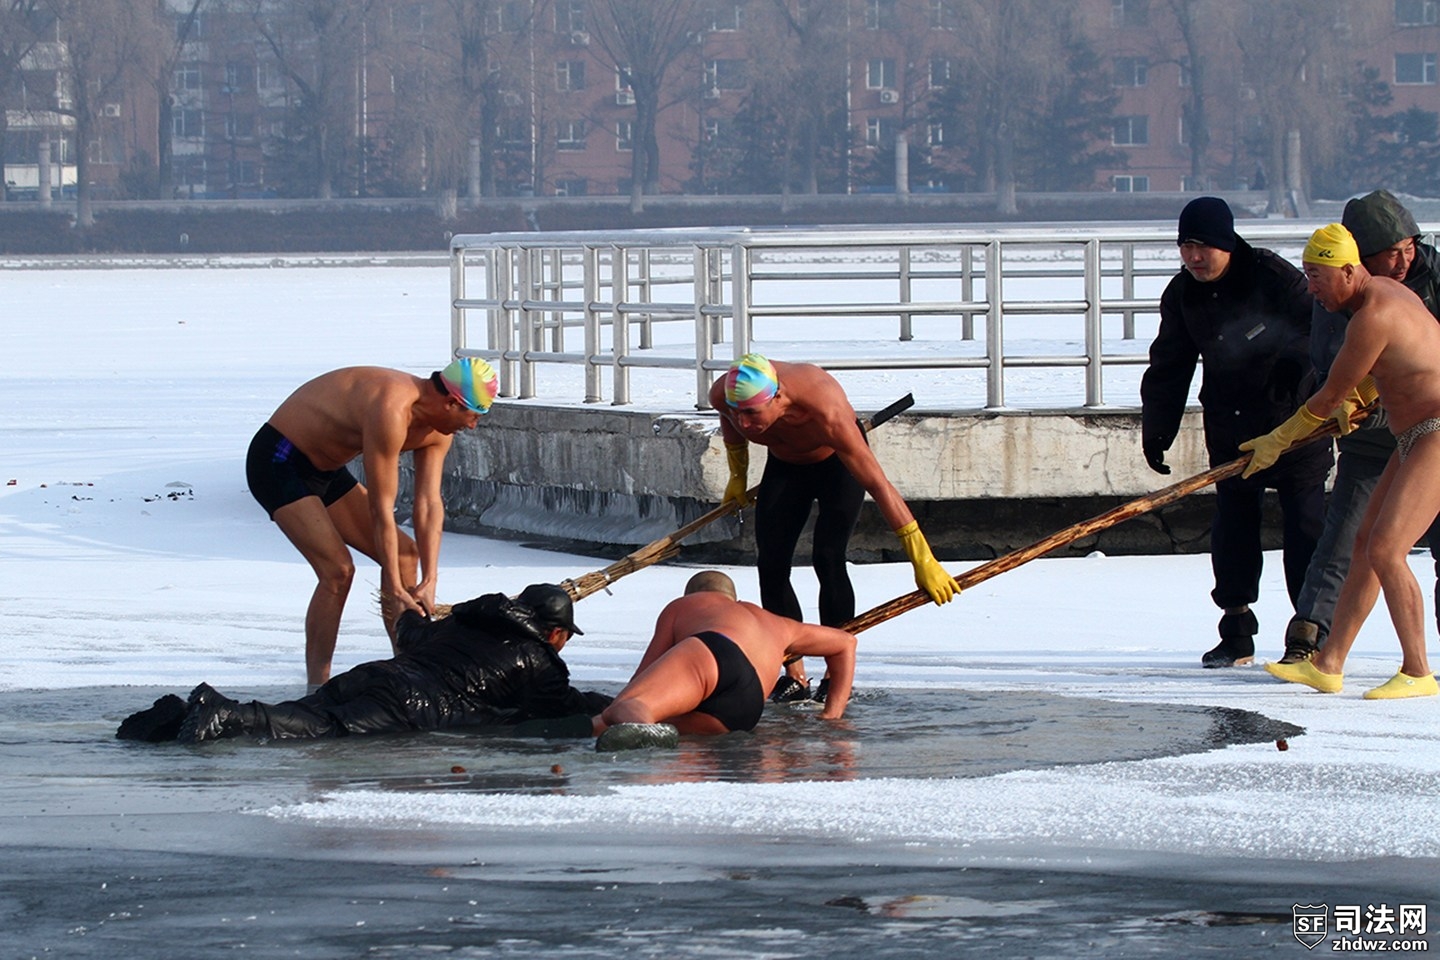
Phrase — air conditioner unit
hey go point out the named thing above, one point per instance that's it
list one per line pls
(889, 96)
(112, 109)
(712, 93)
(624, 98)
(580, 39)
(512, 99)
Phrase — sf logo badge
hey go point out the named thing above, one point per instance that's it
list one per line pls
(1310, 922)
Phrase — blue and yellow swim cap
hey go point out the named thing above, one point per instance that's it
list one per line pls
(750, 382)
(473, 382)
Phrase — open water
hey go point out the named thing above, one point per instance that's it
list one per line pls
(118, 849)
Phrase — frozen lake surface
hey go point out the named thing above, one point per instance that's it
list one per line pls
(1040, 768)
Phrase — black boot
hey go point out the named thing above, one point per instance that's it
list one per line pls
(1237, 640)
(1302, 639)
(159, 723)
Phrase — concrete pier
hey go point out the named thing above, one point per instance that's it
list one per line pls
(607, 480)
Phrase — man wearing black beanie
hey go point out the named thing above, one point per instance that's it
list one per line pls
(1245, 313)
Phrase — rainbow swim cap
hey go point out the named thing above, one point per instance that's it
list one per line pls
(473, 382)
(750, 382)
(1331, 246)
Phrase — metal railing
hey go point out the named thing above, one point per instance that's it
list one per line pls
(846, 298)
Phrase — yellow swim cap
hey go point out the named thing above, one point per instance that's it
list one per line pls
(1331, 246)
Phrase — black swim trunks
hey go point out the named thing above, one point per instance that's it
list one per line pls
(738, 699)
(280, 474)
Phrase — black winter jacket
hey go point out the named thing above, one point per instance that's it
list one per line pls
(487, 663)
(1251, 329)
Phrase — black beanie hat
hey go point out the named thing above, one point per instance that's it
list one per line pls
(1208, 220)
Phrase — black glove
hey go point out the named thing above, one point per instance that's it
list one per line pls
(1155, 455)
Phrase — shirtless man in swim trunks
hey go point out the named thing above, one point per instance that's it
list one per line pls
(816, 454)
(296, 469)
(1392, 338)
(713, 660)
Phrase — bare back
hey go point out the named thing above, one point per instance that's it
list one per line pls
(1394, 337)
(331, 418)
(765, 638)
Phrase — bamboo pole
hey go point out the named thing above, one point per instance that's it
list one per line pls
(1126, 511)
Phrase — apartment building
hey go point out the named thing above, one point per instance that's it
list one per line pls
(539, 97)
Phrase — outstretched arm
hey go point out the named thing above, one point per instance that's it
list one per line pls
(838, 649)
(382, 438)
(429, 517)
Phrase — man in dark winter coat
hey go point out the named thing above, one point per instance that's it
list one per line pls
(493, 661)
(1245, 313)
(1389, 242)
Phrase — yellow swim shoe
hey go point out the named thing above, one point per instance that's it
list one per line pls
(1304, 672)
(1403, 685)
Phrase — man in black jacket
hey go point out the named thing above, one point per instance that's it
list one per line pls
(493, 661)
(1245, 313)
(1388, 239)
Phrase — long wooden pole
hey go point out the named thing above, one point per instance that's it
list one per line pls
(1126, 511)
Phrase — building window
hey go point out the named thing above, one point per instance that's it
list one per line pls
(239, 126)
(724, 75)
(726, 15)
(571, 187)
(625, 135)
(719, 130)
(187, 76)
(880, 73)
(1181, 137)
(514, 132)
(1416, 13)
(239, 76)
(942, 15)
(940, 72)
(1125, 183)
(268, 75)
(1131, 71)
(1184, 73)
(1129, 13)
(880, 132)
(570, 75)
(187, 124)
(935, 134)
(1414, 68)
(624, 93)
(570, 135)
(879, 14)
(1131, 131)
(569, 16)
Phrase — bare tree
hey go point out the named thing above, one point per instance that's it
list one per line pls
(1294, 58)
(101, 39)
(1012, 49)
(644, 40)
(171, 31)
(21, 26)
(318, 45)
(803, 81)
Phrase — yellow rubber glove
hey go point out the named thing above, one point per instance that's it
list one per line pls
(1268, 448)
(738, 456)
(929, 575)
(1363, 395)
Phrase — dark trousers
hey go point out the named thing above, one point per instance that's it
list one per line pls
(1235, 551)
(370, 698)
(781, 508)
